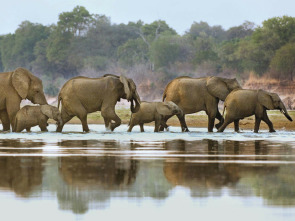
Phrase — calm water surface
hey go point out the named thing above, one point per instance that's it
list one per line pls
(146, 176)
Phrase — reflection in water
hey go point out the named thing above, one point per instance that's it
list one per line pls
(106, 172)
(102, 170)
(21, 174)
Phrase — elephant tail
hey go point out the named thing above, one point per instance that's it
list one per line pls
(14, 125)
(130, 119)
(224, 111)
(165, 93)
(59, 100)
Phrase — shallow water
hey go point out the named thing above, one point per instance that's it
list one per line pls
(167, 175)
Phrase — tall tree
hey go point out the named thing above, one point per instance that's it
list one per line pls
(284, 61)
(76, 21)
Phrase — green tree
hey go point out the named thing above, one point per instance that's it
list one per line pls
(228, 56)
(18, 49)
(241, 31)
(284, 61)
(76, 21)
(205, 48)
(198, 29)
(133, 52)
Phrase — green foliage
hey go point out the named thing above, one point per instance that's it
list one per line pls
(133, 52)
(201, 28)
(82, 41)
(284, 61)
(76, 21)
(18, 49)
(165, 51)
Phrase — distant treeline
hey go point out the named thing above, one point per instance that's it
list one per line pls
(85, 44)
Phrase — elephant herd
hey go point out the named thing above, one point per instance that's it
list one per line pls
(81, 95)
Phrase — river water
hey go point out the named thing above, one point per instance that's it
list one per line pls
(147, 176)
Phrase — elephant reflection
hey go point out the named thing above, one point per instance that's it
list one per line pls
(92, 179)
(89, 143)
(201, 173)
(101, 172)
(21, 174)
(20, 143)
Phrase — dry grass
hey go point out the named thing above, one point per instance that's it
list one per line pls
(254, 80)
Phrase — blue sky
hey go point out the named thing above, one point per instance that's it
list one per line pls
(179, 14)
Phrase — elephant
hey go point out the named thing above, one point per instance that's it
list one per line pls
(245, 102)
(14, 87)
(82, 95)
(153, 111)
(30, 116)
(196, 94)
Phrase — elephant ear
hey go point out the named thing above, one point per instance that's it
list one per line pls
(21, 82)
(217, 88)
(164, 108)
(47, 110)
(265, 99)
(127, 90)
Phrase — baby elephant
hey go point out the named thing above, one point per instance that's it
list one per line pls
(153, 111)
(30, 116)
(244, 103)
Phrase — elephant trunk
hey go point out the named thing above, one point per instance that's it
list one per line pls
(135, 98)
(137, 106)
(39, 99)
(285, 112)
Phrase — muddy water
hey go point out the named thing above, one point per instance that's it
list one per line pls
(168, 175)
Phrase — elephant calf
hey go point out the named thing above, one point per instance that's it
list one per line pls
(153, 111)
(30, 116)
(244, 103)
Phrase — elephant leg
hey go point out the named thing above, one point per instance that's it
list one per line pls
(237, 128)
(165, 119)
(226, 122)
(110, 114)
(130, 127)
(268, 122)
(163, 124)
(257, 124)
(141, 127)
(182, 121)
(28, 129)
(157, 125)
(220, 118)
(5, 120)
(43, 126)
(83, 118)
(107, 123)
(65, 118)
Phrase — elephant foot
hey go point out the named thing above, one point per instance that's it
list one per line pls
(272, 131)
(185, 129)
(217, 126)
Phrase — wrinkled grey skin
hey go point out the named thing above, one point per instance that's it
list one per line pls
(244, 103)
(199, 94)
(81, 95)
(30, 116)
(14, 87)
(153, 111)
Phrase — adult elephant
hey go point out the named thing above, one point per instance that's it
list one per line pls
(14, 87)
(244, 103)
(196, 94)
(81, 95)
